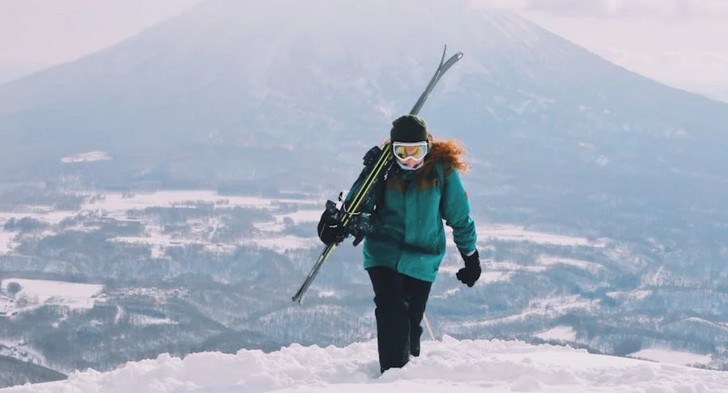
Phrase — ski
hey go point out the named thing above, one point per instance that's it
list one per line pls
(441, 69)
(377, 162)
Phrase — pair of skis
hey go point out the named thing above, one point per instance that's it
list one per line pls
(377, 162)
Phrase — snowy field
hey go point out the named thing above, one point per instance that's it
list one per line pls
(117, 203)
(550, 307)
(87, 157)
(584, 265)
(36, 293)
(120, 206)
(445, 366)
(518, 233)
(301, 216)
(6, 241)
(559, 333)
(673, 357)
(566, 334)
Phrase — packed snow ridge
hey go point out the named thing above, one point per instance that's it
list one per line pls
(444, 366)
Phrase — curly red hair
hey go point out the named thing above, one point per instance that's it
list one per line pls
(449, 151)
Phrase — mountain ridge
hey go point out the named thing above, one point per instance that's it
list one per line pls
(143, 89)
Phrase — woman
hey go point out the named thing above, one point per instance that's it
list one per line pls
(403, 252)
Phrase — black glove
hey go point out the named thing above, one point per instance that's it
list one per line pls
(471, 272)
(330, 230)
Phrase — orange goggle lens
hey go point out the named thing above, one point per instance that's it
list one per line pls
(414, 151)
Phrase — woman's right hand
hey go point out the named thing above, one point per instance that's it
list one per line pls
(330, 230)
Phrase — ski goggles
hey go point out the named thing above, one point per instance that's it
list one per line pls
(410, 151)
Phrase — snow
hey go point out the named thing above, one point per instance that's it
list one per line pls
(301, 216)
(123, 207)
(638, 294)
(488, 276)
(513, 266)
(47, 292)
(45, 214)
(6, 240)
(559, 333)
(517, 233)
(285, 243)
(445, 366)
(87, 157)
(671, 356)
(581, 264)
(298, 217)
(21, 350)
(118, 203)
(145, 320)
(551, 306)
(118, 206)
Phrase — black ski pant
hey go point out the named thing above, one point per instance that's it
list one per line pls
(400, 304)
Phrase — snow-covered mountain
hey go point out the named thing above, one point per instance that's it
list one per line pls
(444, 366)
(206, 98)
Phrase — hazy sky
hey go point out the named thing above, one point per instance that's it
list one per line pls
(35, 34)
(678, 42)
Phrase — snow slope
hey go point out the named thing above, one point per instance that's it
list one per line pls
(446, 366)
(36, 293)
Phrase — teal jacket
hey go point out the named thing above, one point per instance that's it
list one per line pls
(408, 233)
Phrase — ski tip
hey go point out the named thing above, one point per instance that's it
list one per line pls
(458, 55)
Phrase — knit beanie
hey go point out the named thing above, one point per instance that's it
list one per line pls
(409, 128)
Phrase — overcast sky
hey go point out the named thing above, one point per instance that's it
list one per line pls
(678, 42)
(35, 34)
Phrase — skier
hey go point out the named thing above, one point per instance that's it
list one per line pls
(407, 242)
